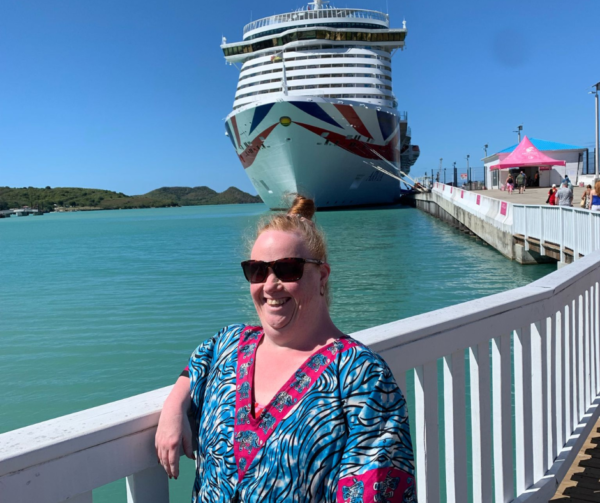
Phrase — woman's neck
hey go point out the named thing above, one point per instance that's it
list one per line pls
(306, 339)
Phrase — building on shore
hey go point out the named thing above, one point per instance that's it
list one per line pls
(576, 163)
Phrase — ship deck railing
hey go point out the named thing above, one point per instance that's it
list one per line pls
(303, 15)
(519, 373)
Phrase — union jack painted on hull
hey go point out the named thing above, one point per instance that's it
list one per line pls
(319, 148)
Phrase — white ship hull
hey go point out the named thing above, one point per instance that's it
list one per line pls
(322, 149)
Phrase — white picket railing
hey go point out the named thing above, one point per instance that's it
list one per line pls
(541, 339)
(496, 212)
(573, 228)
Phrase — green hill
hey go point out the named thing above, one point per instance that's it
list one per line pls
(189, 195)
(49, 198)
(193, 196)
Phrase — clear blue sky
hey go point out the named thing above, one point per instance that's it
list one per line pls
(129, 95)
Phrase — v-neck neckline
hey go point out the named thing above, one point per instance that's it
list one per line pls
(251, 433)
(286, 386)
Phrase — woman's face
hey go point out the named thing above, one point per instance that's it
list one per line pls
(291, 305)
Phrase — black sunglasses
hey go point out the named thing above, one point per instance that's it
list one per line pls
(286, 269)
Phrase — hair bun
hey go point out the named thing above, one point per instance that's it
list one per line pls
(303, 207)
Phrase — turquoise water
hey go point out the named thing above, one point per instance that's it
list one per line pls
(99, 306)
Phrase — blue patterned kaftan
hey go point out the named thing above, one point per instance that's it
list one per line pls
(346, 438)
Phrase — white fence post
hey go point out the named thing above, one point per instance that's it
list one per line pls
(549, 370)
(542, 238)
(562, 235)
(148, 486)
(432, 439)
(576, 235)
(502, 417)
(526, 229)
(419, 442)
(456, 484)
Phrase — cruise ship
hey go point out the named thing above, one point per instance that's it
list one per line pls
(314, 111)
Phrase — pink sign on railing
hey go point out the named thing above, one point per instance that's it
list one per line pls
(450, 189)
(503, 206)
(462, 194)
(478, 198)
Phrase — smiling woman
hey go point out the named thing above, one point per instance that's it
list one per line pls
(292, 410)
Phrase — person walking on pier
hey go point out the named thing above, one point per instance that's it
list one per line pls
(565, 195)
(510, 184)
(596, 197)
(552, 196)
(521, 182)
(586, 199)
(293, 410)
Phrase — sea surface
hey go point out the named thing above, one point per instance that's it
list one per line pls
(99, 306)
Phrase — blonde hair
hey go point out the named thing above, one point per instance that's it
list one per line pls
(597, 188)
(298, 219)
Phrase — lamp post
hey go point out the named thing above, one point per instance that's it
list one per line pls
(469, 174)
(485, 147)
(518, 131)
(444, 176)
(595, 92)
(441, 159)
(455, 175)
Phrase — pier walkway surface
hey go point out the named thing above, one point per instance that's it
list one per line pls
(533, 195)
(529, 359)
(582, 482)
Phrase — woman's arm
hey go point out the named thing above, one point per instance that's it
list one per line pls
(174, 431)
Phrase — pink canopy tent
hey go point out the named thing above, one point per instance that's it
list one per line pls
(527, 155)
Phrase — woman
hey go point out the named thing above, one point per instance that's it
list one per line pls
(510, 184)
(586, 198)
(596, 197)
(552, 195)
(293, 410)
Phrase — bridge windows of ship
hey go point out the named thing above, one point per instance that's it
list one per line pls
(295, 36)
(327, 13)
(360, 26)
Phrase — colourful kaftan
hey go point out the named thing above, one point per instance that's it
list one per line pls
(337, 431)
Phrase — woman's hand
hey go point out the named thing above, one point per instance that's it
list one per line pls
(174, 431)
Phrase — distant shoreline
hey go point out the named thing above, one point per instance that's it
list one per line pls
(68, 199)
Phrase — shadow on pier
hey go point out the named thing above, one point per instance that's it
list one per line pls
(582, 482)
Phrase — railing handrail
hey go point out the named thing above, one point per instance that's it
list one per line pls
(569, 228)
(55, 438)
(290, 17)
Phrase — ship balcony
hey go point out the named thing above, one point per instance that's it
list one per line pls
(298, 37)
(314, 16)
